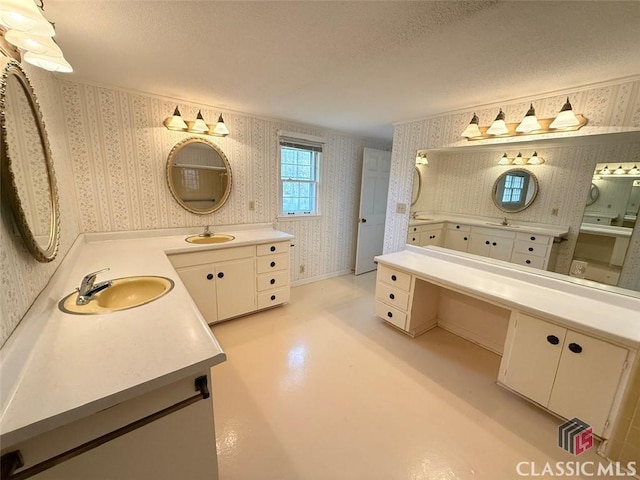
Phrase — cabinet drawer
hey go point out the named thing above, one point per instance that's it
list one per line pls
(392, 296)
(393, 277)
(528, 260)
(391, 314)
(271, 263)
(210, 256)
(533, 237)
(273, 297)
(459, 227)
(530, 248)
(413, 239)
(273, 280)
(271, 248)
(492, 232)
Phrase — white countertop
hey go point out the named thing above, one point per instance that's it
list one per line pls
(57, 367)
(601, 313)
(487, 222)
(607, 230)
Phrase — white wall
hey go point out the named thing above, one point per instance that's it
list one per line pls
(610, 107)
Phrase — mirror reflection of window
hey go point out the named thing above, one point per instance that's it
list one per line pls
(514, 187)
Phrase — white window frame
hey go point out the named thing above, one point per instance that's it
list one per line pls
(312, 143)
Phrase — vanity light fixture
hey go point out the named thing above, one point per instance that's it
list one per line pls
(619, 171)
(498, 127)
(421, 158)
(566, 118)
(472, 129)
(177, 123)
(566, 121)
(529, 123)
(520, 160)
(25, 16)
(605, 171)
(634, 171)
(30, 31)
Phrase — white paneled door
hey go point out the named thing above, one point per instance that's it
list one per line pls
(373, 208)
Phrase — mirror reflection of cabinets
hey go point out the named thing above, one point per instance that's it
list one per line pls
(459, 182)
(28, 179)
(199, 175)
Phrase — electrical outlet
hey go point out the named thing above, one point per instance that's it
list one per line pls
(401, 208)
(301, 268)
(252, 205)
(554, 212)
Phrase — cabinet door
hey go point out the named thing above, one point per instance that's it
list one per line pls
(431, 237)
(200, 283)
(456, 240)
(501, 248)
(533, 358)
(235, 287)
(479, 245)
(587, 380)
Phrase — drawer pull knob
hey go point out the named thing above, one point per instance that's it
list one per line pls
(220, 275)
(273, 297)
(210, 276)
(553, 340)
(465, 238)
(494, 244)
(394, 278)
(531, 249)
(392, 296)
(272, 281)
(527, 262)
(457, 226)
(575, 348)
(533, 238)
(487, 242)
(389, 314)
(273, 248)
(273, 264)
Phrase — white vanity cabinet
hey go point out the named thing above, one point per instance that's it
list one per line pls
(424, 235)
(457, 237)
(221, 282)
(491, 242)
(532, 250)
(570, 373)
(229, 282)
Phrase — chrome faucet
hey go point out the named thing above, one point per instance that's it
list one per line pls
(505, 222)
(87, 288)
(207, 232)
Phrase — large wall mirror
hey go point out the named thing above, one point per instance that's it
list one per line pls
(199, 175)
(28, 179)
(515, 190)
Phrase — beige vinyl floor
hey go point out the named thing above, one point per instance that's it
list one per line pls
(322, 389)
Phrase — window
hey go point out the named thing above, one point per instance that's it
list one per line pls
(299, 161)
(514, 189)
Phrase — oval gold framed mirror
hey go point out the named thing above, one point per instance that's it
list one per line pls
(515, 190)
(594, 193)
(417, 185)
(199, 175)
(28, 179)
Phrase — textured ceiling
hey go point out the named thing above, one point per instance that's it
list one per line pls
(349, 66)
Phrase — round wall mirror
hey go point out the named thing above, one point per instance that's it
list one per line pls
(515, 190)
(594, 193)
(417, 185)
(199, 175)
(28, 179)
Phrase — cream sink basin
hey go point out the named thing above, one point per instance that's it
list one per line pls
(503, 225)
(207, 239)
(124, 293)
(420, 217)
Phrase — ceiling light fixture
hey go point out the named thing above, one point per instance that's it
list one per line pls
(566, 121)
(177, 123)
(529, 123)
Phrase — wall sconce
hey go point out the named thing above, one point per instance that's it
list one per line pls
(605, 171)
(520, 160)
(177, 123)
(421, 158)
(29, 30)
(634, 171)
(621, 171)
(565, 121)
